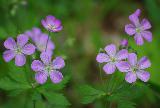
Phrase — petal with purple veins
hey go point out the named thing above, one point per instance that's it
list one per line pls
(8, 55)
(37, 65)
(29, 49)
(134, 18)
(109, 68)
(111, 50)
(22, 40)
(46, 57)
(130, 29)
(102, 57)
(58, 63)
(132, 59)
(145, 24)
(10, 43)
(41, 77)
(123, 66)
(122, 54)
(138, 38)
(56, 76)
(142, 75)
(144, 63)
(20, 60)
(147, 35)
(130, 77)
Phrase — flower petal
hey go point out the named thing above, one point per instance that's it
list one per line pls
(130, 29)
(138, 38)
(109, 68)
(144, 63)
(10, 43)
(132, 59)
(111, 50)
(123, 66)
(58, 63)
(41, 77)
(46, 57)
(20, 60)
(147, 35)
(102, 57)
(22, 40)
(45, 25)
(57, 23)
(37, 65)
(56, 76)
(57, 29)
(122, 54)
(142, 75)
(134, 18)
(8, 55)
(50, 19)
(145, 24)
(29, 49)
(130, 77)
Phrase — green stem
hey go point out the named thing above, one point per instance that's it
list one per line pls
(47, 41)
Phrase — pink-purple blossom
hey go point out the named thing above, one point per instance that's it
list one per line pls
(48, 68)
(112, 58)
(140, 30)
(18, 50)
(135, 69)
(124, 43)
(52, 24)
(40, 40)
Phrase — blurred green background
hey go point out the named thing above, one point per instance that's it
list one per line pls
(88, 26)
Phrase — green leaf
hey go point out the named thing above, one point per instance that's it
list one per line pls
(17, 73)
(8, 84)
(90, 94)
(56, 99)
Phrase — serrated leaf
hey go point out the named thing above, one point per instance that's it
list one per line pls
(8, 84)
(56, 99)
(90, 94)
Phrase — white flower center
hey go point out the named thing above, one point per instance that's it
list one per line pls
(51, 26)
(48, 68)
(18, 50)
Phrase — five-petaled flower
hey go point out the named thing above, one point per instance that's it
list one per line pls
(139, 29)
(48, 68)
(134, 68)
(18, 50)
(52, 24)
(111, 58)
(40, 40)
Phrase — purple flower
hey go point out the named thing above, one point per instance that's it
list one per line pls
(18, 50)
(124, 43)
(139, 29)
(135, 69)
(52, 24)
(48, 68)
(40, 40)
(111, 58)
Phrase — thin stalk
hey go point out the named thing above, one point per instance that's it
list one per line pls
(47, 41)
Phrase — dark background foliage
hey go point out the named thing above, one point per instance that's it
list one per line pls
(88, 26)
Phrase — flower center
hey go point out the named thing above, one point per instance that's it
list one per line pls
(51, 26)
(18, 50)
(113, 59)
(48, 68)
(134, 69)
(138, 30)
